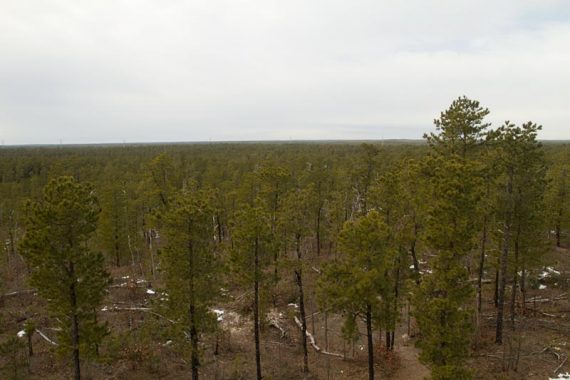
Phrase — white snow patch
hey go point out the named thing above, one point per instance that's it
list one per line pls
(549, 271)
(21, 334)
(125, 277)
(150, 291)
(293, 305)
(412, 266)
(561, 376)
(105, 308)
(542, 287)
(220, 314)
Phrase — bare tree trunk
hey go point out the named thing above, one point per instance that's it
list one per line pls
(256, 312)
(370, 342)
(558, 228)
(74, 327)
(503, 270)
(415, 261)
(496, 293)
(319, 231)
(515, 279)
(481, 266)
(523, 288)
(195, 359)
(299, 278)
(219, 229)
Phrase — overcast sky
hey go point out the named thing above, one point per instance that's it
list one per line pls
(166, 70)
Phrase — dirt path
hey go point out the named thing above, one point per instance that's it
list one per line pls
(411, 368)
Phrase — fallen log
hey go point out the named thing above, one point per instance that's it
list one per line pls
(314, 343)
(19, 292)
(46, 338)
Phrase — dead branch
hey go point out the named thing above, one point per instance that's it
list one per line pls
(18, 292)
(561, 364)
(46, 337)
(314, 343)
(274, 323)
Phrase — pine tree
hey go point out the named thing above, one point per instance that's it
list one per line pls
(441, 302)
(297, 223)
(455, 188)
(65, 271)
(522, 186)
(251, 231)
(191, 266)
(357, 284)
(460, 130)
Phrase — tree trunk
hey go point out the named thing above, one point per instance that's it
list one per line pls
(481, 266)
(515, 279)
(195, 360)
(503, 270)
(194, 356)
(558, 227)
(219, 229)
(396, 298)
(370, 342)
(496, 293)
(74, 326)
(256, 311)
(318, 234)
(299, 278)
(30, 347)
(117, 251)
(523, 288)
(415, 256)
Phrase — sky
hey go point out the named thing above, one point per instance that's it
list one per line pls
(77, 71)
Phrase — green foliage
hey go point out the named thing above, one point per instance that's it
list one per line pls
(251, 230)
(460, 129)
(455, 188)
(13, 356)
(359, 277)
(190, 261)
(442, 300)
(65, 271)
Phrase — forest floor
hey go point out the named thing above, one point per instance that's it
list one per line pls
(410, 366)
(143, 344)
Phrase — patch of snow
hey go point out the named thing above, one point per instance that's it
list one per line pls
(125, 277)
(552, 270)
(412, 266)
(542, 287)
(548, 272)
(105, 308)
(21, 334)
(561, 376)
(219, 313)
(150, 291)
(293, 305)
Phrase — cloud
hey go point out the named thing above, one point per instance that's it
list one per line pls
(239, 70)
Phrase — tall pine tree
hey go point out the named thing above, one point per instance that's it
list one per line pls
(65, 271)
